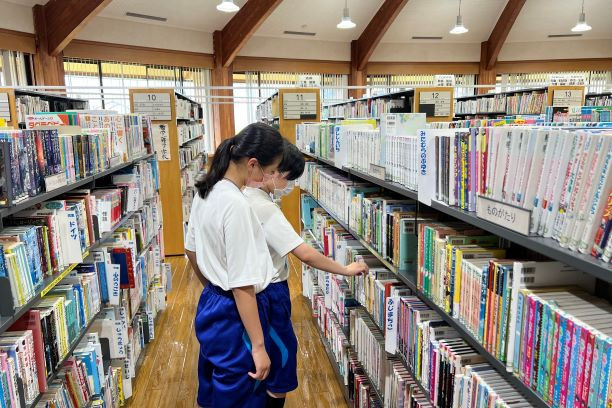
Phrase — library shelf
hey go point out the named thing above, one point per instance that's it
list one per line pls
(71, 349)
(330, 356)
(409, 279)
(399, 94)
(516, 91)
(22, 205)
(545, 246)
(51, 281)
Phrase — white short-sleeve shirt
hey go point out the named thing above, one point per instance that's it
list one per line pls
(280, 235)
(228, 239)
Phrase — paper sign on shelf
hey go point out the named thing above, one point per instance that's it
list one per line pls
(5, 108)
(567, 97)
(113, 280)
(153, 104)
(309, 81)
(444, 80)
(161, 141)
(566, 79)
(300, 105)
(391, 309)
(441, 102)
(46, 119)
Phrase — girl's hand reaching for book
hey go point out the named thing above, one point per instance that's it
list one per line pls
(262, 363)
(357, 268)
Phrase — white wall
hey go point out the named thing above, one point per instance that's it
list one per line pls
(296, 48)
(16, 17)
(563, 49)
(110, 30)
(426, 52)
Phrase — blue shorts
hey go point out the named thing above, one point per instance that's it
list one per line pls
(282, 347)
(225, 351)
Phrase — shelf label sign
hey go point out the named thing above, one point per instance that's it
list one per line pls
(153, 104)
(435, 103)
(300, 105)
(444, 80)
(567, 79)
(309, 81)
(567, 97)
(161, 141)
(508, 216)
(5, 107)
(46, 119)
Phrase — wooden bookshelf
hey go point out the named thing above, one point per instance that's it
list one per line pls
(291, 203)
(165, 114)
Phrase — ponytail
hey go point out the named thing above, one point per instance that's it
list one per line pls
(257, 140)
(218, 167)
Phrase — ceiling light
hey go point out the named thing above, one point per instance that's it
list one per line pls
(459, 28)
(581, 25)
(346, 22)
(227, 6)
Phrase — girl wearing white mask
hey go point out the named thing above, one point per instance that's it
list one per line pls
(282, 240)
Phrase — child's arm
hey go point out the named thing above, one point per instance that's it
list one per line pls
(194, 265)
(314, 258)
(249, 314)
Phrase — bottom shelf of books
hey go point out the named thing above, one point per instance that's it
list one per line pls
(456, 320)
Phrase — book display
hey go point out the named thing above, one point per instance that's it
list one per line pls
(475, 289)
(180, 147)
(268, 111)
(82, 276)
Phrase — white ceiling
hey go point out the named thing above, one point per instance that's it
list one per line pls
(418, 18)
(537, 20)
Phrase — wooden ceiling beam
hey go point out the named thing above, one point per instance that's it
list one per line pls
(241, 28)
(375, 30)
(500, 32)
(65, 18)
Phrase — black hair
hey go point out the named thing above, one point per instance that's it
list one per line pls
(257, 140)
(293, 161)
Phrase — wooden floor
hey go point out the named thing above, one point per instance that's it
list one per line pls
(168, 374)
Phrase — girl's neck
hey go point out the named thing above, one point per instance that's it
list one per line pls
(234, 175)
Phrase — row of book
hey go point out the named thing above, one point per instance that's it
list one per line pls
(600, 100)
(268, 109)
(562, 176)
(368, 108)
(29, 105)
(190, 151)
(187, 110)
(189, 131)
(578, 114)
(526, 103)
(495, 104)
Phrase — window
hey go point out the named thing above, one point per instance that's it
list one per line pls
(597, 81)
(251, 88)
(383, 84)
(106, 84)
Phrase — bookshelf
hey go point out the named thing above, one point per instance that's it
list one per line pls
(11, 316)
(546, 246)
(18, 103)
(268, 111)
(599, 99)
(492, 105)
(172, 113)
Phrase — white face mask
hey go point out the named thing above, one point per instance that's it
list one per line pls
(279, 193)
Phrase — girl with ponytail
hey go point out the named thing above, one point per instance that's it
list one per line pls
(227, 249)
